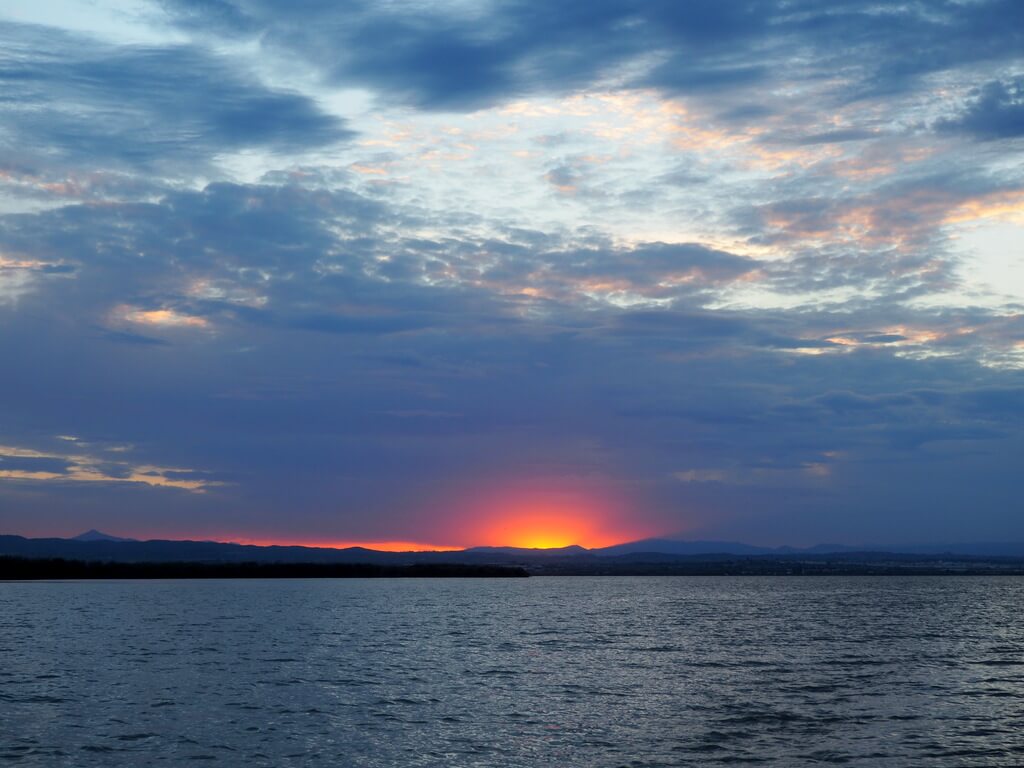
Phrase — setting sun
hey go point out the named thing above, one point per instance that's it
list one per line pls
(544, 529)
(544, 519)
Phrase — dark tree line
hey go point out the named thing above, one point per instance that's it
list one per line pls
(19, 568)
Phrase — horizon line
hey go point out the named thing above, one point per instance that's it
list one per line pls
(408, 547)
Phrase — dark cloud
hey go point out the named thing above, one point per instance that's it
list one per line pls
(127, 337)
(450, 57)
(33, 464)
(996, 112)
(679, 75)
(997, 403)
(95, 105)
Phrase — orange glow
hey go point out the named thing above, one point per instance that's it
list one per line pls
(389, 546)
(543, 518)
(158, 317)
(533, 514)
(1008, 206)
(380, 546)
(545, 529)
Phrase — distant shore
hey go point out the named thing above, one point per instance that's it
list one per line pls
(32, 569)
(787, 566)
(28, 569)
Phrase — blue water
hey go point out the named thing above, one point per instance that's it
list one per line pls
(789, 671)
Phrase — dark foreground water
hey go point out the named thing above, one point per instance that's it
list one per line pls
(897, 671)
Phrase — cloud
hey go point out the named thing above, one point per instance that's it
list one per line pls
(449, 56)
(19, 464)
(171, 109)
(996, 112)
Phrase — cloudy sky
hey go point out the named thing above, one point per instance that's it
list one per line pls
(464, 272)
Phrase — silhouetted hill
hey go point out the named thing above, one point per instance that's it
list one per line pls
(572, 549)
(675, 547)
(679, 547)
(192, 551)
(20, 568)
(157, 551)
(93, 535)
(653, 551)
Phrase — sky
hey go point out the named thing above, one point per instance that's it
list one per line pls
(416, 274)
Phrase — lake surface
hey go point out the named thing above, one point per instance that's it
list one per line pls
(599, 671)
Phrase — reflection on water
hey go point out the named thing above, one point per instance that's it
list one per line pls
(915, 671)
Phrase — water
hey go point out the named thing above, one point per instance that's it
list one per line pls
(915, 671)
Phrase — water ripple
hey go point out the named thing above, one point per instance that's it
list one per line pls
(588, 672)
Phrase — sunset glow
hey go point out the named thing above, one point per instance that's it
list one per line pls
(545, 529)
(380, 546)
(544, 518)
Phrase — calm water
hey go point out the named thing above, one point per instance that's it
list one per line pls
(913, 671)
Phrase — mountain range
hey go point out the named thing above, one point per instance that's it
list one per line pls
(95, 545)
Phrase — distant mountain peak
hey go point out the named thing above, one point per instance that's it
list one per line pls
(682, 547)
(571, 549)
(93, 535)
